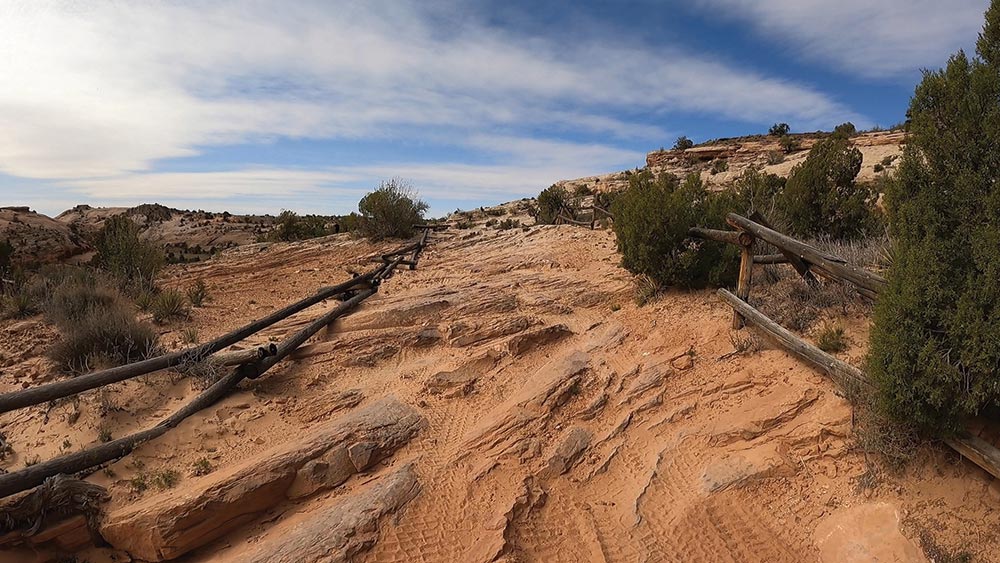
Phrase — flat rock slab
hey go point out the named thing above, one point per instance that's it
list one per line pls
(338, 531)
(166, 526)
(863, 534)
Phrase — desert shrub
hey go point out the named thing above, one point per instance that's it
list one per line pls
(169, 304)
(551, 201)
(758, 191)
(109, 335)
(832, 339)
(775, 157)
(652, 218)
(131, 260)
(788, 144)
(74, 301)
(887, 161)
(846, 129)
(390, 211)
(6, 257)
(202, 467)
(582, 190)
(189, 335)
(349, 223)
(18, 305)
(935, 342)
(197, 294)
(878, 168)
(290, 226)
(821, 196)
(719, 166)
(508, 224)
(683, 143)
(779, 130)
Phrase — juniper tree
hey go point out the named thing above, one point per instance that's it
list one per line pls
(935, 344)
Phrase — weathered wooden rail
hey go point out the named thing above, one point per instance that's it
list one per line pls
(806, 259)
(256, 364)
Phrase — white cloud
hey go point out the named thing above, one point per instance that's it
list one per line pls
(95, 92)
(527, 165)
(865, 37)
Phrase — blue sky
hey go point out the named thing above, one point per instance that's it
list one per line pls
(258, 106)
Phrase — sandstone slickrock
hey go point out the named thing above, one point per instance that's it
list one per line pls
(340, 530)
(167, 526)
(460, 381)
(524, 343)
(863, 533)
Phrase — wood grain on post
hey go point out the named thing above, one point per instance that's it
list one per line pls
(745, 279)
(728, 237)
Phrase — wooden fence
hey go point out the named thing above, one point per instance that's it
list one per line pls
(808, 260)
(249, 365)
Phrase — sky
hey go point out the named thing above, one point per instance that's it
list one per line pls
(257, 106)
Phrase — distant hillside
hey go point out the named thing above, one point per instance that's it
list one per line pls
(188, 234)
(38, 239)
(881, 150)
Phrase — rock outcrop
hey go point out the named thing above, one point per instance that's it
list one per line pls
(339, 530)
(165, 527)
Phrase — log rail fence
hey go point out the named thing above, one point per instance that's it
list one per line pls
(249, 364)
(808, 260)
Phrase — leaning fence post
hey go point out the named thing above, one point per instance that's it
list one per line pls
(746, 241)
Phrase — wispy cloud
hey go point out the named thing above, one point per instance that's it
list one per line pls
(95, 94)
(864, 37)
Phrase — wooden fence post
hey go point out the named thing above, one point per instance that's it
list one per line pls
(746, 275)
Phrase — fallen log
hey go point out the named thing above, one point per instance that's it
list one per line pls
(340, 531)
(167, 526)
(240, 357)
(829, 266)
(81, 383)
(839, 370)
(975, 449)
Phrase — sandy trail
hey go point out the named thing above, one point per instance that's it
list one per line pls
(564, 423)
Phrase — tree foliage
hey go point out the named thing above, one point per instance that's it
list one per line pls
(779, 130)
(935, 344)
(652, 218)
(390, 211)
(683, 143)
(551, 201)
(121, 252)
(822, 196)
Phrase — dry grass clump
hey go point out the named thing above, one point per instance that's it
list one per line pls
(169, 304)
(781, 294)
(646, 289)
(98, 326)
(832, 339)
(197, 294)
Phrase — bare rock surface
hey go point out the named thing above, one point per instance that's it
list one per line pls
(339, 530)
(167, 526)
(865, 533)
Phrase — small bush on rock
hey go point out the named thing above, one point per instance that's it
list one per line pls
(551, 201)
(652, 218)
(390, 211)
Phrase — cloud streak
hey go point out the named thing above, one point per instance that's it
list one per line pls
(96, 94)
(863, 37)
